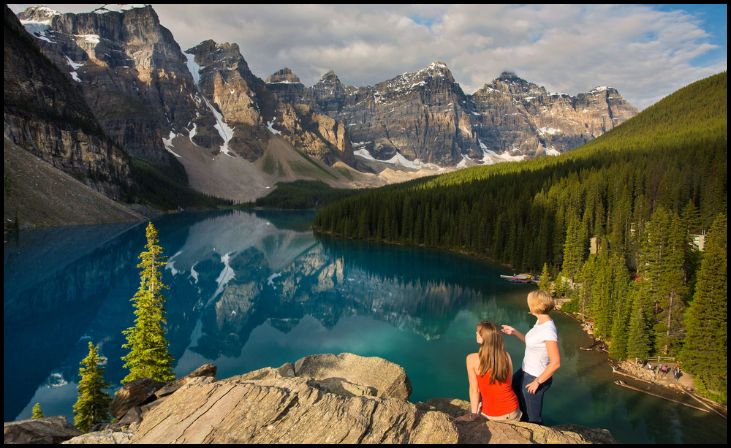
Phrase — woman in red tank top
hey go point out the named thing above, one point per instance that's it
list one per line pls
(490, 372)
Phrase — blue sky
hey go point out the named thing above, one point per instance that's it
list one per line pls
(714, 21)
(645, 51)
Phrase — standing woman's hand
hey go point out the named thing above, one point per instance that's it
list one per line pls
(507, 329)
(532, 387)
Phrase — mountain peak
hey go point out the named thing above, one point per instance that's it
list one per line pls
(439, 68)
(285, 76)
(599, 89)
(509, 76)
(41, 14)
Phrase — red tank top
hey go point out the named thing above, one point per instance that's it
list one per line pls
(497, 398)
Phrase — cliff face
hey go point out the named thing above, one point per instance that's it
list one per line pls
(130, 69)
(236, 98)
(45, 113)
(342, 398)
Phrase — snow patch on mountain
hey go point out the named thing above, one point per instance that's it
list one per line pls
(549, 131)
(224, 130)
(193, 68)
(168, 142)
(552, 151)
(362, 152)
(121, 8)
(271, 129)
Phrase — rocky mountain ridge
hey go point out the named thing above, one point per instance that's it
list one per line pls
(426, 116)
(210, 94)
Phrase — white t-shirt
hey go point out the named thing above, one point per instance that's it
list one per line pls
(536, 356)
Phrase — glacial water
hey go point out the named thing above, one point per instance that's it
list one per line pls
(249, 290)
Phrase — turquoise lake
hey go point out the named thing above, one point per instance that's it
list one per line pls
(255, 289)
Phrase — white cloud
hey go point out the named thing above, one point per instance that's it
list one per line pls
(643, 52)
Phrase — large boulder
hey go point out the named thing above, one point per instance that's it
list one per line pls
(388, 379)
(206, 370)
(43, 430)
(286, 410)
(134, 393)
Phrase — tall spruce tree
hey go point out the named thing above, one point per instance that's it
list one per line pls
(573, 250)
(638, 337)
(92, 405)
(148, 355)
(544, 284)
(600, 305)
(37, 413)
(671, 291)
(705, 350)
(621, 323)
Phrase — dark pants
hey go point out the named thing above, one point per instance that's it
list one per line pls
(530, 404)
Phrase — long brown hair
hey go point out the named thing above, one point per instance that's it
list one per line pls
(493, 356)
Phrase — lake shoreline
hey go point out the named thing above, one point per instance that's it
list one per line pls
(641, 375)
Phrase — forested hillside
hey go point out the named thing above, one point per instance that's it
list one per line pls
(641, 192)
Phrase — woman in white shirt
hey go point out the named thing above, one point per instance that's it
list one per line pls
(541, 358)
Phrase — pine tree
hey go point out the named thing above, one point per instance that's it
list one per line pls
(671, 291)
(573, 254)
(92, 406)
(705, 350)
(37, 413)
(149, 356)
(620, 299)
(600, 306)
(638, 339)
(620, 324)
(586, 278)
(544, 284)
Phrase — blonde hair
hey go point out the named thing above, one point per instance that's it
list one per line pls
(493, 356)
(540, 302)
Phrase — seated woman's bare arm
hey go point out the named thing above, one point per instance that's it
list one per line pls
(472, 364)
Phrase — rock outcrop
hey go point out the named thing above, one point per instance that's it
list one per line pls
(42, 430)
(342, 398)
(387, 378)
(488, 431)
(134, 393)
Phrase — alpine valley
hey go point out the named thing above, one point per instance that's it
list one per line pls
(107, 118)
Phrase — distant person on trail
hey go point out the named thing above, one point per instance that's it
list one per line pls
(541, 358)
(489, 372)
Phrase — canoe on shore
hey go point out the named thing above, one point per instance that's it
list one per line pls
(518, 278)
